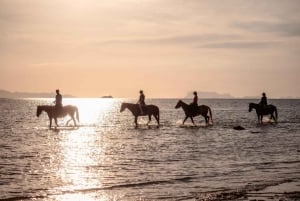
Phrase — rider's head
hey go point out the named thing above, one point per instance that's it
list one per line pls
(264, 94)
(57, 91)
(195, 92)
(141, 91)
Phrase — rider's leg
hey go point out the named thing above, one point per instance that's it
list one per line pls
(141, 109)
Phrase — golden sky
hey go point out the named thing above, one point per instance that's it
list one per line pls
(167, 48)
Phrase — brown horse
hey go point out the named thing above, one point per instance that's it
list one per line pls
(261, 111)
(192, 111)
(147, 110)
(54, 113)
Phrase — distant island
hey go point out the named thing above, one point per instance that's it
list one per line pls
(109, 96)
(203, 94)
(8, 94)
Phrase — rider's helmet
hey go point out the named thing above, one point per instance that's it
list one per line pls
(195, 92)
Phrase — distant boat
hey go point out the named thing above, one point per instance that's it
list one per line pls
(107, 96)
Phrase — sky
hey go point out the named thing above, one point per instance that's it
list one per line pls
(91, 48)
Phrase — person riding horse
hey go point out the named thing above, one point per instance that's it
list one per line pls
(58, 101)
(263, 101)
(141, 101)
(194, 104)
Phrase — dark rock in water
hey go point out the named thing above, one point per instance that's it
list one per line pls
(239, 128)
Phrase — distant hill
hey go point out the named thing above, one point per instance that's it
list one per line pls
(8, 94)
(203, 94)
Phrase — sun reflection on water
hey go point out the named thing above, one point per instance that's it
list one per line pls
(90, 109)
(81, 150)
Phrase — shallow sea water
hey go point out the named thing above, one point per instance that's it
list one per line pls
(107, 158)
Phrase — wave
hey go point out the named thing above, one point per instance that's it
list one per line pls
(23, 198)
(245, 192)
(242, 192)
(120, 186)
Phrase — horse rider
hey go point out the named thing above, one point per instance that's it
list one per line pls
(263, 101)
(141, 101)
(58, 101)
(195, 99)
(194, 104)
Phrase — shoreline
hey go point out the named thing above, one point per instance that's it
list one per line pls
(287, 190)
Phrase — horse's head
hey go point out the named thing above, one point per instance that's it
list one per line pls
(123, 107)
(38, 111)
(251, 106)
(179, 104)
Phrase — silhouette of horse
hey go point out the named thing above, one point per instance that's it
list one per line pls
(54, 114)
(147, 110)
(261, 111)
(192, 111)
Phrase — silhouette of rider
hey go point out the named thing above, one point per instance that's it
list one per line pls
(195, 100)
(194, 104)
(58, 101)
(263, 100)
(141, 101)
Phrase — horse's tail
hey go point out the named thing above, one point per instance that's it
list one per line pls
(158, 115)
(210, 115)
(276, 114)
(77, 114)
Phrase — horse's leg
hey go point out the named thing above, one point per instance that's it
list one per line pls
(157, 118)
(192, 120)
(74, 120)
(149, 119)
(50, 122)
(206, 120)
(135, 121)
(275, 120)
(55, 120)
(185, 119)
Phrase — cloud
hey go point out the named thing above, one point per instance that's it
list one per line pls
(192, 40)
(288, 29)
(218, 41)
(242, 45)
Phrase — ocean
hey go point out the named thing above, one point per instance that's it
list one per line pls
(106, 158)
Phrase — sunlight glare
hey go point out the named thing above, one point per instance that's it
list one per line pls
(90, 109)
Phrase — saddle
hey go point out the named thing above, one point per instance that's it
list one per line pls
(58, 109)
(193, 108)
(265, 107)
(144, 108)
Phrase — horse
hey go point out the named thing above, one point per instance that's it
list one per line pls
(62, 112)
(192, 111)
(261, 111)
(147, 110)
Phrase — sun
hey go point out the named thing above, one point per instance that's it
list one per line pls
(90, 109)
